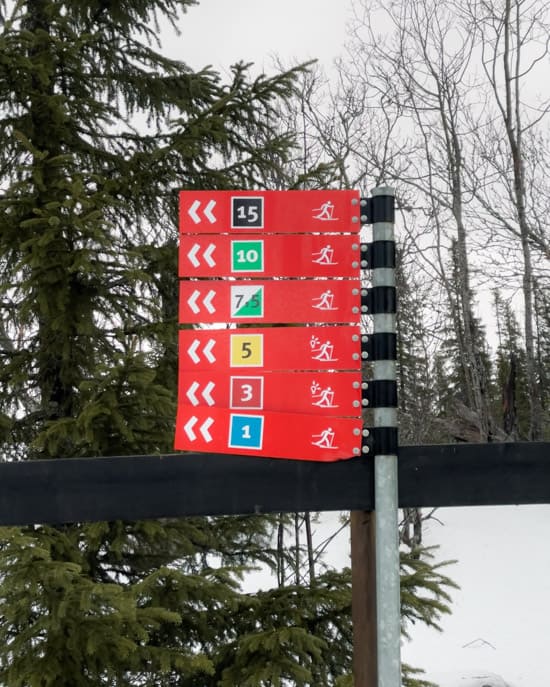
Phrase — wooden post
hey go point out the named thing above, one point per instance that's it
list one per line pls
(363, 598)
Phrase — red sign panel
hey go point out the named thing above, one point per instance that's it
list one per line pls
(276, 435)
(311, 393)
(271, 348)
(285, 212)
(275, 301)
(304, 255)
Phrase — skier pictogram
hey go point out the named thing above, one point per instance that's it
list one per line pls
(325, 439)
(326, 212)
(322, 351)
(325, 301)
(325, 256)
(323, 398)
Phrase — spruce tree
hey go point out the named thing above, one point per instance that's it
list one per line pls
(415, 346)
(463, 398)
(510, 398)
(98, 132)
(542, 311)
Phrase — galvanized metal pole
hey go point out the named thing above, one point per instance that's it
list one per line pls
(383, 396)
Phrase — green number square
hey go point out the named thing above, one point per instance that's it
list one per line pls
(247, 256)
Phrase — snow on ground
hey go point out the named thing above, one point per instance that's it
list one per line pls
(501, 615)
(499, 632)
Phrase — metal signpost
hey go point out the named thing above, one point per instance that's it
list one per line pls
(384, 392)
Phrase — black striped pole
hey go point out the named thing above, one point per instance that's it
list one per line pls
(380, 303)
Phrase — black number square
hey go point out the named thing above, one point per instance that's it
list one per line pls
(247, 212)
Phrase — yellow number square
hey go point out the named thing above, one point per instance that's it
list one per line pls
(247, 350)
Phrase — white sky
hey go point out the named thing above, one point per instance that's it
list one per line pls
(504, 553)
(222, 32)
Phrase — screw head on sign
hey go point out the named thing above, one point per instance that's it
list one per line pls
(356, 385)
(355, 220)
(356, 451)
(365, 402)
(355, 292)
(365, 449)
(355, 310)
(354, 201)
(355, 265)
(356, 404)
(366, 432)
(355, 356)
(364, 355)
(364, 385)
(364, 218)
(355, 337)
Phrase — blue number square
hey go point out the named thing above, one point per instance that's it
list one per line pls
(246, 431)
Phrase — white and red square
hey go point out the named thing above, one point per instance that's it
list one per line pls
(246, 393)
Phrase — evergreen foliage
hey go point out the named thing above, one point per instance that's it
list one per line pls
(462, 398)
(511, 405)
(98, 132)
(414, 368)
(542, 318)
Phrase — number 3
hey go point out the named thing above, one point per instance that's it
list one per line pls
(246, 390)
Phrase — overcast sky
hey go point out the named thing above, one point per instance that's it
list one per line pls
(222, 32)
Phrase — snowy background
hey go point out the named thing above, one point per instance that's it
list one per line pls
(499, 630)
(501, 615)
(498, 634)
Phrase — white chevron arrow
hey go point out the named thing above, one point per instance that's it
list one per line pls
(206, 393)
(208, 211)
(208, 351)
(191, 393)
(205, 427)
(188, 427)
(207, 301)
(192, 212)
(193, 351)
(207, 255)
(192, 301)
(192, 255)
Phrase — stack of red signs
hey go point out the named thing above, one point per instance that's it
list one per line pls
(287, 265)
